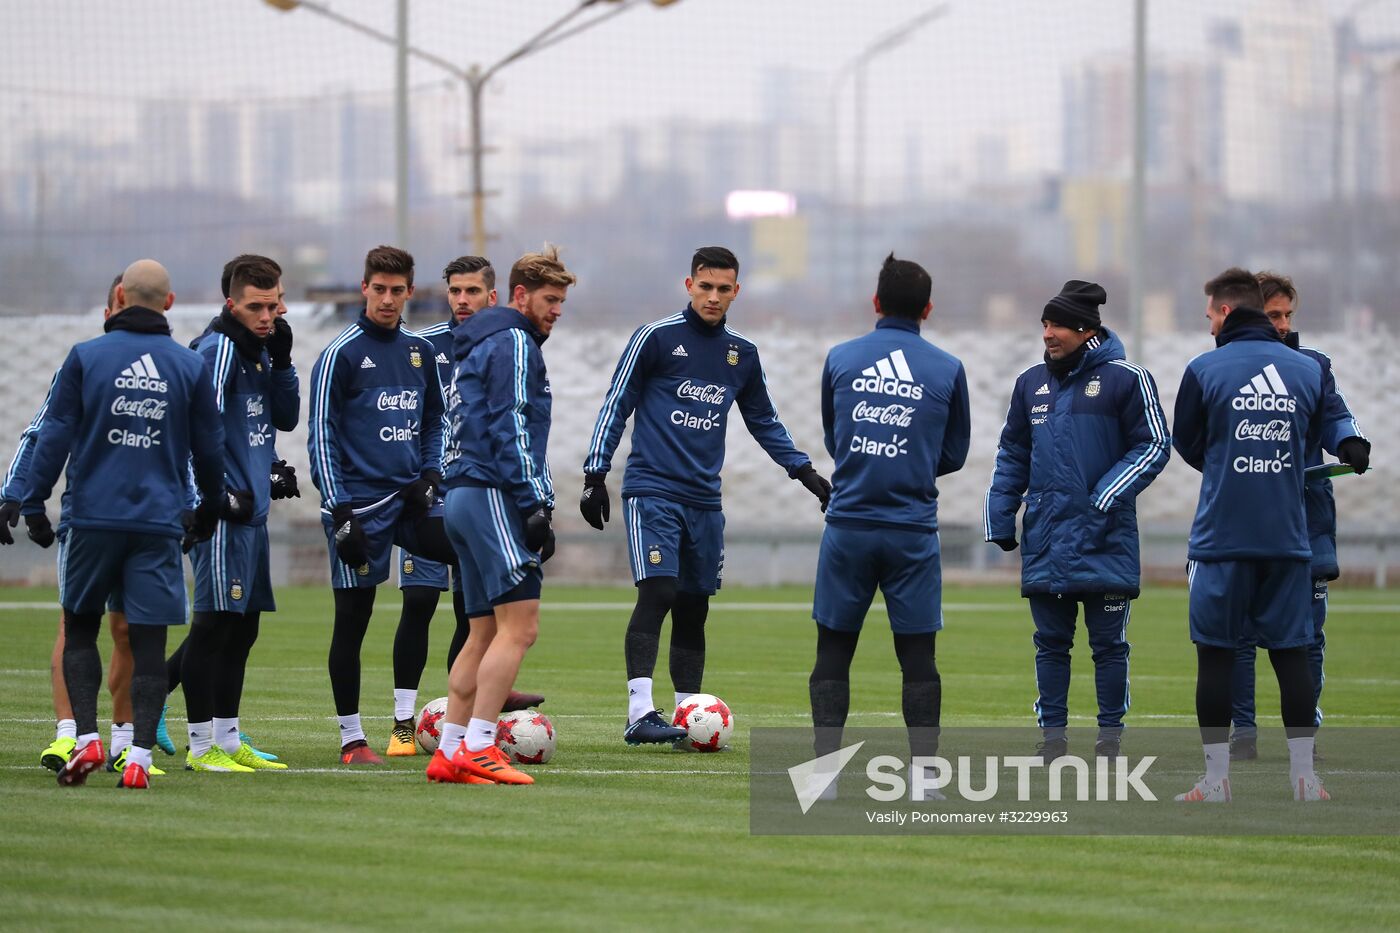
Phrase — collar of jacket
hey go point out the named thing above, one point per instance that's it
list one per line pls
(382, 334)
(138, 319)
(1246, 324)
(249, 344)
(701, 326)
(1293, 340)
(1067, 366)
(897, 323)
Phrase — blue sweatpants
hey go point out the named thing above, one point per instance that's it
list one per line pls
(1106, 619)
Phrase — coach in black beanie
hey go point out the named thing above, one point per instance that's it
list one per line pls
(1076, 306)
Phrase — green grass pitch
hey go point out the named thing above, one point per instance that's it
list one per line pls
(615, 837)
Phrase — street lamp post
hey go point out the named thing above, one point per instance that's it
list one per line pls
(473, 77)
(856, 68)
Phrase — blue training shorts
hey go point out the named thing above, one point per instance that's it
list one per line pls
(903, 564)
(231, 570)
(668, 539)
(1264, 602)
(419, 571)
(114, 599)
(385, 526)
(146, 571)
(493, 563)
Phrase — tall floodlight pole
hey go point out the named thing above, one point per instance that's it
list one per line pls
(474, 77)
(856, 68)
(401, 127)
(1137, 232)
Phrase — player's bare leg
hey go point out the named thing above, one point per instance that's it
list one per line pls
(517, 627)
(461, 697)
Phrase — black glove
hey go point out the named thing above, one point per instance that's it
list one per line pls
(1006, 544)
(537, 527)
(816, 484)
(420, 495)
(40, 531)
(284, 481)
(279, 344)
(200, 524)
(1356, 452)
(594, 503)
(547, 551)
(236, 506)
(9, 518)
(351, 545)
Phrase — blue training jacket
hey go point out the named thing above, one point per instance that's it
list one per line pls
(1338, 425)
(376, 414)
(680, 376)
(894, 417)
(1248, 416)
(255, 401)
(501, 407)
(16, 475)
(440, 336)
(128, 413)
(1078, 451)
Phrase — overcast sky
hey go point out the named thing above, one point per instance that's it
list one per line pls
(985, 65)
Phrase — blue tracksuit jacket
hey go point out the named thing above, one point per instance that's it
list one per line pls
(128, 413)
(440, 336)
(894, 417)
(501, 406)
(1338, 425)
(376, 414)
(680, 376)
(1078, 451)
(255, 402)
(1248, 415)
(17, 474)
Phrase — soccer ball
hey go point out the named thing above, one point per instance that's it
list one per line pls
(526, 736)
(707, 721)
(428, 719)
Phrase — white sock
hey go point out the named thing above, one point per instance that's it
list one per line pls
(226, 734)
(1217, 761)
(121, 736)
(67, 729)
(638, 698)
(350, 729)
(682, 697)
(201, 737)
(481, 735)
(450, 737)
(405, 704)
(85, 738)
(1300, 759)
(136, 755)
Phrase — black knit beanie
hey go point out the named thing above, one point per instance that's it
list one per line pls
(1076, 306)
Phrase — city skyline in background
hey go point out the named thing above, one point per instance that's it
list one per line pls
(1264, 118)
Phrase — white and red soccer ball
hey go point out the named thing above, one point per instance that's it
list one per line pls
(429, 720)
(707, 721)
(526, 736)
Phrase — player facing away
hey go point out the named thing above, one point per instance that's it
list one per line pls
(130, 410)
(249, 363)
(119, 668)
(375, 439)
(500, 503)
(895, 418)
(679, 376)
(471, 287)
(1342, 437)
(1248, 416)
(1084, 436)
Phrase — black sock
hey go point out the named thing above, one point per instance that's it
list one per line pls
(1295, 690)
(411, 637)
(923, 691)
(1213, 671)
(655, 597)
(688, 615)
(147, 682)
(352, 611)
(82, 667)
(829, 687)
(228, 682)
(464, 627)
(173, 665)
(204, 655)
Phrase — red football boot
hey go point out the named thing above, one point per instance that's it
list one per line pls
(81, 763)
(358, 752)
(135, 778)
